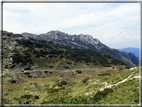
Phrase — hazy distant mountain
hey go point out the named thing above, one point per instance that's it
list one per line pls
(131, 50)
(83, 42)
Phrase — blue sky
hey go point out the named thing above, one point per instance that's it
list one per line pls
(117, 25)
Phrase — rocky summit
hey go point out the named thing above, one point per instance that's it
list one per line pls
(84, 42)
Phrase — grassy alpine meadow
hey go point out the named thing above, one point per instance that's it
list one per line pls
(41, 72)
(72, 86)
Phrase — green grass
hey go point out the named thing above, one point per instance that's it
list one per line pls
(73, 88)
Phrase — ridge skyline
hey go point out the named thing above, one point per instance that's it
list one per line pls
(73, 34)
(79, 34)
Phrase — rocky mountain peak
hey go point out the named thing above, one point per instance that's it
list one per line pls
(86, 37)
(56, 32)
(26, 34)
(82, 42)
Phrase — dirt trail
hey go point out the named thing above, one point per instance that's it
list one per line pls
(128, 78)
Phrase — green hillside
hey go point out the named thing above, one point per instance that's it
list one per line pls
(40, 72)
(73, 87)
(31, 54)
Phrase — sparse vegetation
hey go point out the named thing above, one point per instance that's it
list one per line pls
(79, 71)
(85, 79)
(53, 74)
(103, 74)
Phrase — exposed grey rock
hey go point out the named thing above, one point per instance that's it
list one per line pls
(84, 42)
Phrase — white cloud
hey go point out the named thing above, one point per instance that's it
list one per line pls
(111, 23)
(124, 9)
(81, 20)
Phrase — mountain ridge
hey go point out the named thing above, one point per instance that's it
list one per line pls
(83, 42)
(131, 50)
(28, 53)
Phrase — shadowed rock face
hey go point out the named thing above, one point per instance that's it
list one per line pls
(84, 42)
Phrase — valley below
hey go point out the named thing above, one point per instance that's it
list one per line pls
(93, 85)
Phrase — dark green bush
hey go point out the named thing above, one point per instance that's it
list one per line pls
(13, 81)
(50, 72)
(61, 56)
(12, 66)
(106, 65)
(37, 55)
(28, 68)
(85, 79)
(62, 88)
(59, 84)
(25, 43)
(51, 66)
(52, 90)
(27, 96)
(27, 102)
(103, 74)
(26, 73)
(29, 76)
(64, 82)
(66, 67)
(6, 66)
(37, 97)
(69, 63)
(45, 71)
(10, 90)
(101, 94)
(120, 68)
(79, 71)
(127, 67)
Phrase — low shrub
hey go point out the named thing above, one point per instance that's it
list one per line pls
(27, 96)
(103, 74)
(101, 94)
(59, 84)
(106, 65)
(50, 72)
(85, 79)
(28, 68)
(127, 67)
(6, 66)
(69, 63)
(10, 90)
(13, 81)
(62, 88)
(45, 71)
(64, 82)
(29, 76)
(66, 67)
(12, 66)
(120, 68)
(37, 97)
(52, 90)
(79, 71)
(51, 66)
(26, 73)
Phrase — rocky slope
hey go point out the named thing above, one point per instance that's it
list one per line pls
(84, 42)
(28, 54)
